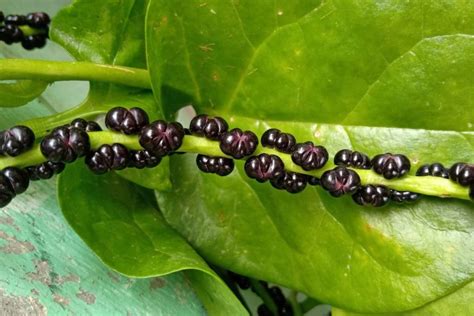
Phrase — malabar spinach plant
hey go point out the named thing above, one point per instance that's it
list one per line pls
(286, 86)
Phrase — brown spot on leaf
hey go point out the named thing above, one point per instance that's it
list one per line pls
(85, 296)
(20, 305)
(15, 246)
(157, 283)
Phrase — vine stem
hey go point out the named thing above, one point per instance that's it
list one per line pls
(27, 31)
(293, 299)
(434, 186)
(264, 295)
(17, 69)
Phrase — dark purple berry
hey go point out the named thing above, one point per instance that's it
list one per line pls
(38, 20)
(263, 310)
(462, 173)
(283, 142)
(209, 127)
(88, 126)
(435, 170)
(372, 195)
(471, 191)
(11, 34)
(107, 158)
(33, 41)
(242, 281)
(403, 196)
(126, 121)
(340, 181)
(2, 17)
(290, 181)
(16, 140)
(264, 167)
(18, 178)
(15, 19)
(143, 159)
(45, 170)
(309, 157)
(349, 158)
(313, 180)
(285, 310)
(391, 165)
(162, 138)
(65, 144)
(238, 144)
(218, 165)
(6, 191)
(277, 296)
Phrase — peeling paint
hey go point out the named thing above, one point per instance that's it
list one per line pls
(9, 221)
(42, 273)
(157, 283)
(67, 278)
(15, 246)
(20, 305)
(61, 300)
(114, 276)
(87, 297)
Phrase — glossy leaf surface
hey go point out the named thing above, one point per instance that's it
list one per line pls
(386, 64)
(129, 234)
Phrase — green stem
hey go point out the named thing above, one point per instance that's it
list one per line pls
(292, 298)
(264, 295)
(17, 69)
(27, 31)
(434, 186)
(308, 304)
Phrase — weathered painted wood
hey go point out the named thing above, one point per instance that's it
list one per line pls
(46, 269)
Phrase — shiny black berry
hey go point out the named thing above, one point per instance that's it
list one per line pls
(218, 165)
(291, 182)
(15, 19)
(16, 140)
(372, 195)
(242, 281)
(309, 156)
(340, 181)
(209, 127)
(107, 158)
(45, 170)
(2, 17)
(143, 159)
(349, 158)
(6, 191)
(462, 173)
(435, 170)
(277, 296)
(264, 167)
(391, 165)
(38, 20)
(403, 196)
(33, 41)
(283, 142)
(238, 144)
(65, 144)
(127, 121)
(313, 180)
(18, 178)
(263, 310)
(88, 126)
(162, 138)
(471, 191)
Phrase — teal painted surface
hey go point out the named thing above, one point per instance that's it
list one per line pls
(47, 269)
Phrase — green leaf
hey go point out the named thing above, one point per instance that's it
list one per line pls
(128, 234)
(456, 303)
(21, 92)
(386, 64)
(332, 62)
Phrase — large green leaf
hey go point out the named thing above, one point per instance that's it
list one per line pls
(129, 234)
(387, 64)
(457, 303)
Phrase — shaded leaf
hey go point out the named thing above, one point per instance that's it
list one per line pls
(128, 233)
(21, 92)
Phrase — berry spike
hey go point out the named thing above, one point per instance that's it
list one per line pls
(65, 144)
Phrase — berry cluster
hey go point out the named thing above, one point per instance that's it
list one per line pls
(274, 292)
(13, 29)
(159, 138)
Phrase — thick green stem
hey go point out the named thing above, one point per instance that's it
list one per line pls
(27, 31)
(434, 186)
(16, 69)
(264, 295)
(293, 299)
